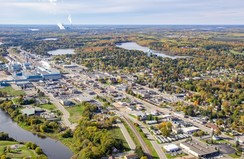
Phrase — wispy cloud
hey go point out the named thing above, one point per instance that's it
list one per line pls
(124, 11)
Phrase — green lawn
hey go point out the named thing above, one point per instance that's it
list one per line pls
(75, 113)
(133, 116)
(12, 92)
(119, 135)
(18, 153)
(48, 106)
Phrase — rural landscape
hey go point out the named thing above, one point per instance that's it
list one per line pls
(120, 91)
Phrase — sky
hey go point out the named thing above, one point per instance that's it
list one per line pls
(161, 12)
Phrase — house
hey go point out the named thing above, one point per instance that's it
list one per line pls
(151, 122)
(66, 102)
(49, 116)
(213, 126)
(29, 111)
(216, 138)
(132, 156)
(241, 139)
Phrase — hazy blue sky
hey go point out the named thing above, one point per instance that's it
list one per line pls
(122, 11)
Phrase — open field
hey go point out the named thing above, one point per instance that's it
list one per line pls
(48, 106)
(75, 113)
(12, 92)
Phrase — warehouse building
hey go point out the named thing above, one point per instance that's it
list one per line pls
(190, 130)
(199, 149)
(171, 148)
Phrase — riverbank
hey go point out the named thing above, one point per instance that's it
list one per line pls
(51, 147)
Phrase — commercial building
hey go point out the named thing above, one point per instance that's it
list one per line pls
(199, 149)
(171, 148)
(190, 130)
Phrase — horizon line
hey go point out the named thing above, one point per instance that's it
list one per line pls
(134, 24)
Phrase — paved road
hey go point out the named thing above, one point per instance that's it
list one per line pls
(152, 107)
(127, 136)
(66, 115)
(141, 141)
(154, 143)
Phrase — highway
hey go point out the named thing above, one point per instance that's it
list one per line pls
(141, 141)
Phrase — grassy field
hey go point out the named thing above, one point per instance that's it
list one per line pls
(48, 106)
(75, 113)
(118, 135)
(21, 152)
(235, 52)
(12, 92)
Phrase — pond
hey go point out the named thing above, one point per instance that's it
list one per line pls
(52, 148)
(61, 52)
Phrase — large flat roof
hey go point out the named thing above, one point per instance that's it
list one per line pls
(199, 147)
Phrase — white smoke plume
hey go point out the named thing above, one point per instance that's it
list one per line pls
(54, 2)
(70, 18)
(61, 26)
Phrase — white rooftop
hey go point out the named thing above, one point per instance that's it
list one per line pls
(171, 147)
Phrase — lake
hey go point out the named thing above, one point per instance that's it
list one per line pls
(50, 39)
(61, 52)
(52, 148)
(135, 46)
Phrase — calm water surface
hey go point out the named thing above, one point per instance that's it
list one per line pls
(52, 148)
(135, 46)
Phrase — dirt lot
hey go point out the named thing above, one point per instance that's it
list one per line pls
(4, 76)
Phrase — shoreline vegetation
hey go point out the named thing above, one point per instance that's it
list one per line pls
(103, 144)
(10, 148)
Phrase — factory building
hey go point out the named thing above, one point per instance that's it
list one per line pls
(199, 149)
(49, 74)
(32, 76)
(15, 67)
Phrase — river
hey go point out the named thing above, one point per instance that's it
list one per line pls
(135, 46)
(52, 148)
